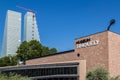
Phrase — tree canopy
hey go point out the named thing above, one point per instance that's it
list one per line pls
(33, 49)
(27, 50)
(8, 61)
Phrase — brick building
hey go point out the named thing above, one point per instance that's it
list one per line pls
(97, 50)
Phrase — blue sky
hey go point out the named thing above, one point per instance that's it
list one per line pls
(61, 21)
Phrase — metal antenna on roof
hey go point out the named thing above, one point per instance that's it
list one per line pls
(112, 21)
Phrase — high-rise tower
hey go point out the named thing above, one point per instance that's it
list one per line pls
(12, 33)
(30, 27)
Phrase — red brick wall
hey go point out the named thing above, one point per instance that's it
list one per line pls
(53, 59)
(106, 54)
(114, 54)
(95, 56)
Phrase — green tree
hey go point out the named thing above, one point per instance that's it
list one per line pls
(97, 74)
(53, 50)
(26, 50)
(22, 50)
(8, 61)
(45, 50)
(33, 49)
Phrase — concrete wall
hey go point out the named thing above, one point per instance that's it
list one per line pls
(82, 70)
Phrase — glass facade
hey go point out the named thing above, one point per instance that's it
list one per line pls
(12, 33)
(61, 72)
(30, 27)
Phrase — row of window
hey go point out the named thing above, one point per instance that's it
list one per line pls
(45, 71)
(33, 33)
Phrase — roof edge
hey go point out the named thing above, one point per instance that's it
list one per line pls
(58, 53)
(96, 33)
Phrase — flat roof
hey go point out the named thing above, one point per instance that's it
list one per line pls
(96, 33)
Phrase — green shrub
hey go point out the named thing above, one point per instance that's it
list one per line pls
(97, 74)
(12, 76)
(100, 74)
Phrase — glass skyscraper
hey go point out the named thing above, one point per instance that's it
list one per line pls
(12, 33)
(30, 27)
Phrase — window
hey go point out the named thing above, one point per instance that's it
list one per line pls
(46, 71)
